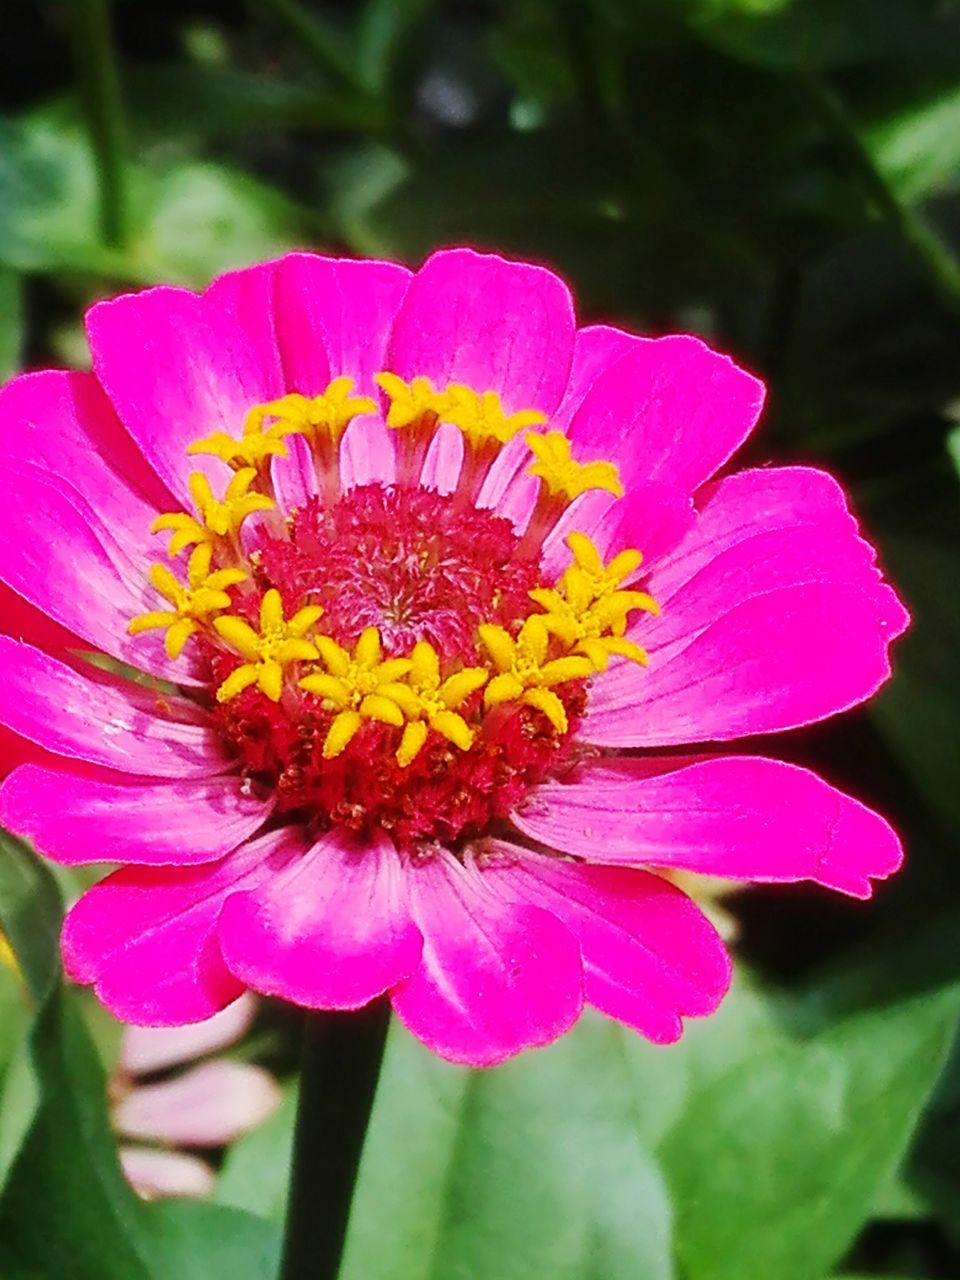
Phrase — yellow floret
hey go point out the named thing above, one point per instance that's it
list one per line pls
(280, 644)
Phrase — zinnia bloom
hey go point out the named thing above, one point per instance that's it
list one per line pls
(439, 592)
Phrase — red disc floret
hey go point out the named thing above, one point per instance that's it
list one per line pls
(417, 566)
(410, 562)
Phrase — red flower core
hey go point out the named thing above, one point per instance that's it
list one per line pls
(417, 565)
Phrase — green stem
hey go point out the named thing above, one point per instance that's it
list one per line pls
(932, 255)
(342, 1053)
(98, 79)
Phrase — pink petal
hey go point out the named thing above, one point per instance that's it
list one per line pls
(773, 615)
(147, 938)
(147, 1049)
(208, 1106)
(62, 422)
(178, 366)
(73, 568)
(596, 348)
(741, 818)
(651, 517)
(101, 720)
(649, 954)
(331, 931)
(77, 817)
(670, 409)
(155, 1175)
(496, 977)
(492, 324)
(334, 317)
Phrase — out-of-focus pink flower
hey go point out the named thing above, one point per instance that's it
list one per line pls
(452, 588)
(208, 1105)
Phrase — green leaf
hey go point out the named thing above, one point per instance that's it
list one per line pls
(918, 147)
(816, 34)
(11, 323)
(519, 1171)
(195, 1241)
(189, 220)
(774, 1165)
(256, 1169)
(534, 1168)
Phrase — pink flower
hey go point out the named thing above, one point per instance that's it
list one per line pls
(442, 647)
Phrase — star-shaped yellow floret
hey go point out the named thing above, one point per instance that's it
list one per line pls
(481, 418)
(319, 419)
(428, 702)
(359, 686)
(217, 518)
(193, 605)
(588, 611)
(524, 672)
(280, 644)
(561, 475)
(411, 401)
(256, 446)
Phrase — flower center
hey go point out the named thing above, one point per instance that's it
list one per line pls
(392, 658)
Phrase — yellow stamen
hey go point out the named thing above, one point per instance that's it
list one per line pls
(481, 418)
(256, 446)
(587, 611)
(561, 475)
(431, 703)
(524, 672)
(280, 643)
(410, 402)
(321, 419)
(192, 605)
(218, 519)
(359, 686)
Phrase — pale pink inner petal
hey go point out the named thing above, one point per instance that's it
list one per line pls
(209, 1106)
(741, 818)
(495, 978)
(649, 954)
(147, 1049)
(294, 477)
(367, 454)
(441, 467)
(489, 323)
(331, 931)
(80, 816)
(103, 721)
(155, 1175)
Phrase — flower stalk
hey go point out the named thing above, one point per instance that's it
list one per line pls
(342, 1053)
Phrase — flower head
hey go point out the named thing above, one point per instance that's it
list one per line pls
(463, 594)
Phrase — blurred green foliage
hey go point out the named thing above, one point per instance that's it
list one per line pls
(782, 176)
